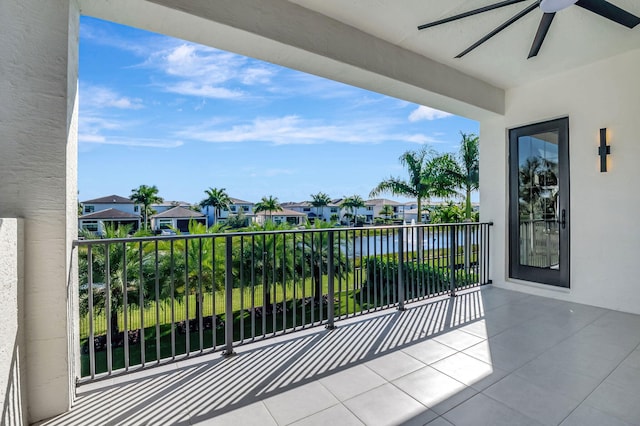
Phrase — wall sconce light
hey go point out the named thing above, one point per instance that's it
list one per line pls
(603, 150)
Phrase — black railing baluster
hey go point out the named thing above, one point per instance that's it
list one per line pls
(395, 265)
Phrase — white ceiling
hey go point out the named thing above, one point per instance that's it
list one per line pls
(577, 36)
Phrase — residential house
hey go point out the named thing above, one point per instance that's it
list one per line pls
(410, 215)
(324, 213)
(112, 209)
(96, 222)
(166, 205)
(375, 205)
(285, 215)
(236, 206)
(110, 202)
(176, 218)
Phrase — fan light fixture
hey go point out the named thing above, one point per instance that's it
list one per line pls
(549, 8)
(552, 6)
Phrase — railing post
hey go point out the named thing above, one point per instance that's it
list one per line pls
(452, 260)
(401, 268)
(331, 309)
(228, 295)
(91, 342)
(107, 302)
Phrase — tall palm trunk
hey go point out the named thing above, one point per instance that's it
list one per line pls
(115, 329)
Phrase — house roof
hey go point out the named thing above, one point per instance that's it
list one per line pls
(171, 204)
(109, 199)
(424, 210)
(177, 213)
(239, 201)
(283, 212)
(381, 202)
(290, 204)
(109, 214)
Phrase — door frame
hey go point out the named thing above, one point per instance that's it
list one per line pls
(557, 277)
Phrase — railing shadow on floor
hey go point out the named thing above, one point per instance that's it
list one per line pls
(195, 390)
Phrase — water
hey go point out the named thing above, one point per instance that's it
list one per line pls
(432, 239)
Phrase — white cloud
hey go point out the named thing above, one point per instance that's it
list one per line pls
(423, 139)
(253, 76)
(426, 113)
(96, 128)
(189, 88)
(99, 97)
(195, 70)
(125, 141)
(292, 129)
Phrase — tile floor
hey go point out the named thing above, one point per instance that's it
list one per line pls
(486, 357)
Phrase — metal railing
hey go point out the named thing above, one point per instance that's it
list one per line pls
(540, 243)
(145, 301)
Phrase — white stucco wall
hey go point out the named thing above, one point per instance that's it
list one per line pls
(38, 127)
(12, 398)
(605, 235)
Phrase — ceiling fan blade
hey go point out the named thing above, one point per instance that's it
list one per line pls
(610, 11)
(543, 28)
(498, 29)
(470, 13)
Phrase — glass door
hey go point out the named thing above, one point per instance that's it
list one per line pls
(539, 202)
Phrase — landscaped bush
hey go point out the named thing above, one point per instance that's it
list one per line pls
(421, 279)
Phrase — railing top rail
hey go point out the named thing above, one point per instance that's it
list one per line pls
(245, 234)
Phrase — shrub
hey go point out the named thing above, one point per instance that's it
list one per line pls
(420, 279)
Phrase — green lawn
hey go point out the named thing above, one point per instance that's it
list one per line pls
(350, 295)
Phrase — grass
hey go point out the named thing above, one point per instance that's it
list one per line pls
(351, 294)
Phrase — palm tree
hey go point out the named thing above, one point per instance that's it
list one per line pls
(449, 213)
(320, 200)
(146, 195)
(193, 269)
(386, 211)
(315, 249)
(269, 256)
(352, 204)
(268, 204)
(217, 199)
(119, 284)
(467, 174)
(428, 176)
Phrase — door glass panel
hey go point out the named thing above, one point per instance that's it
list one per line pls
(538, 199)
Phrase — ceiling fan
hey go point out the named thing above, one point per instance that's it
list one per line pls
(549, 7)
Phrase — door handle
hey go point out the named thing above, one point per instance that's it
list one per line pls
(563, 219)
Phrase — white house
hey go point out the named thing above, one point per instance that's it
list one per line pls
(96, 222)
(324, 213)
(176, 218)
(412, 215)
(579, 95)
(166, 205)
(112, 209)
(236, 206)
(374, 207)
(110, 202)
(283, 216)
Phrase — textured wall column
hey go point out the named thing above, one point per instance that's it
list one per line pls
(12, 396)
(38, 146)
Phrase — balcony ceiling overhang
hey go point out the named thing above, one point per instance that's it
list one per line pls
(577, 36)
(375, 44)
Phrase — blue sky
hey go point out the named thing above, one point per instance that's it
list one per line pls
(160, 111)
